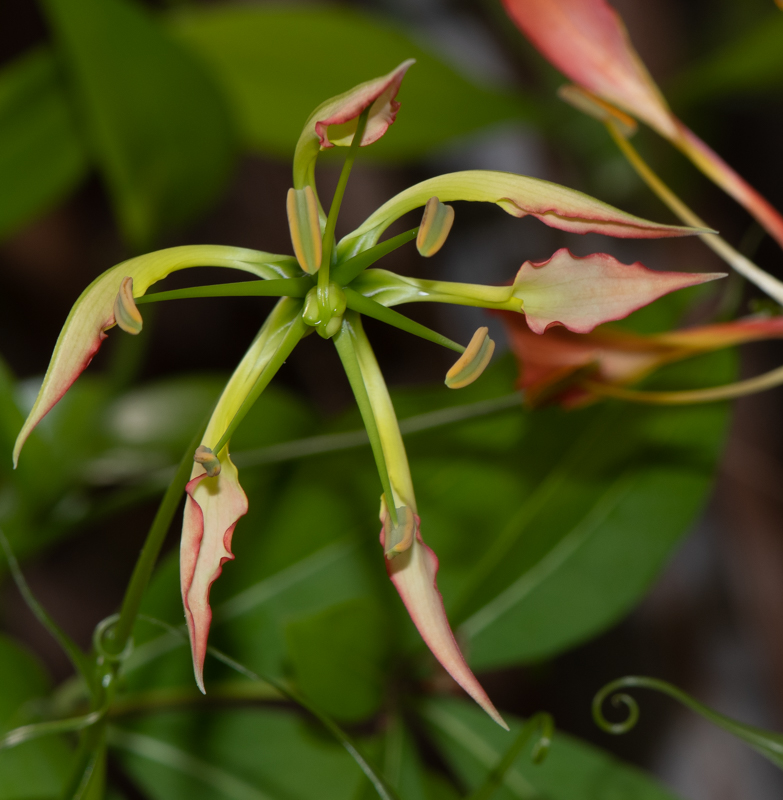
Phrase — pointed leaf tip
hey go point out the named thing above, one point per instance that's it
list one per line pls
(305, 228)
(413, 573)
(470, 365)
(435, 227)
(126, 314)
(581, 292)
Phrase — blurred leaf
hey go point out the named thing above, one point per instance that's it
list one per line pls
(42, 157)
(275, 752)
(609, 492)
(472, 744)
(35, 769)
(337, 658)
(402, 763)
(158, 126)
(277, 64)
(750, 62)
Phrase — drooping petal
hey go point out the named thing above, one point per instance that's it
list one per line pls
(333, 123)
(212, 510)
(414, 574)
(413, 571)
(215, 504)
(588, 42)
(551, 364)
(93, 313)
(582, 292)
(518, 195)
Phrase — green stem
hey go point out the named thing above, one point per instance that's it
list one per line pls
(382, 788)
(335, 442)
(347, 351)
(296, 330)
(494, 780)
(345, 272)
(766, 282)
(142, 572)
(368, 307)
(78, 658)
(284, 287)
(334, 209)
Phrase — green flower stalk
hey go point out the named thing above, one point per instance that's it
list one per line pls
(327, 286)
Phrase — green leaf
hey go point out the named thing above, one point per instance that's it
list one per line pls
(278, 64)
(751, 62)
(472, 744)
(277, 753)
(607, 493)
(338, 657)
(35, 769)
(158, 127)
(42, 156)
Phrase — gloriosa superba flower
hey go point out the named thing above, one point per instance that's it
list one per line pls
(328, 286)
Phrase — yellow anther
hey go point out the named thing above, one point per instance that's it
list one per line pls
(435, 226)
(594, 106)
(305, 227)
(473, 361)
(398, 538)
(126, 315)
(208, 460)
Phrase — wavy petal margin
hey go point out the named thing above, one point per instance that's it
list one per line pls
(413, 572)
(519, 195)
(587, 41)
(581, 292)
(333, 123)
(550, 363)
(93, 313)
(214, 505)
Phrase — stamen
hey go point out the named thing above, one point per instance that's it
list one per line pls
(126, 315)
(594, 106)
(208, 460)
(305, 228)
(473, 361)
(397, 538)
(435, 226)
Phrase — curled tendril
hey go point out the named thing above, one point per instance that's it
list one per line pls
(617, 700)
(768, 743)
(103, 631)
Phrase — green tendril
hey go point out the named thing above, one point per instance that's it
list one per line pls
(768, 743)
